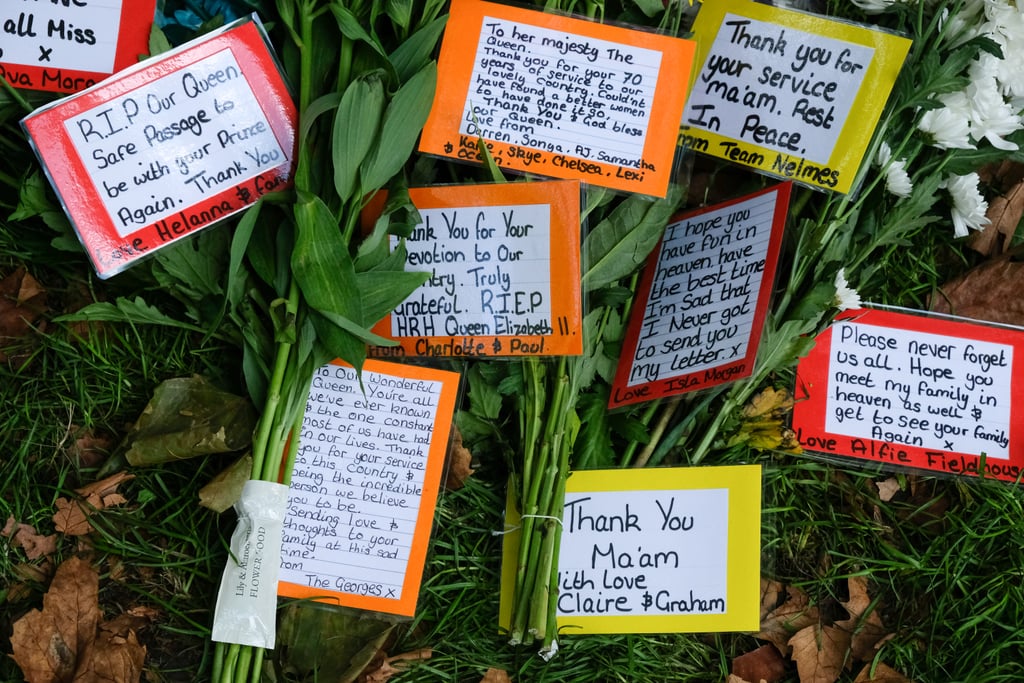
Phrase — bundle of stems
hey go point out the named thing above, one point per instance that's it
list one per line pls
(300, 250)
(548, 420)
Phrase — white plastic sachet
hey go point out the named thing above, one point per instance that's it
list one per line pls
(247, 600)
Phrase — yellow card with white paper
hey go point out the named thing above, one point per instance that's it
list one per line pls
(787, 93)
(659, 550)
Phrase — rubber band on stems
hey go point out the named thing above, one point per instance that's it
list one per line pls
(510, 528)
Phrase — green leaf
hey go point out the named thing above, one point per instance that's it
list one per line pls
(400, 12)
(593, 445)
(194, 266)
(240, 242)
(403, 120)
(413, 54)
(382, 290)
(818, 299)
(356, 330)
(399, 217)
(135, 311)
(32, 198)
(336, 342)
(158, 43)
(484, 398)
(352, 28)
(316, 109)
(620, 243)
(321, 263)
(489, 164)
(355, 130)
(188, 417)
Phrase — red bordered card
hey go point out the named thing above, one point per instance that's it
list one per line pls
(702, 299)
(70, 45)
(914, 391)
(170, 146)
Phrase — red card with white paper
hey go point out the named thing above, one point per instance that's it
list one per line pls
(703, 298)
(170, 146)
(70, 45)
(930, 393)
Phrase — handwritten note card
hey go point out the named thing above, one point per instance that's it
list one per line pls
(170, 146)
(69, 45)
(703, 299)
(558, 96)
(928, 393)
(363, 490)
(504, 261)
(656, 551)
(790, 94)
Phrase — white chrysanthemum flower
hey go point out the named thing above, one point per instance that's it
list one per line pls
(991, 116)
(969, 206)
(897, 180)
(874, 6)
(846, 297)
(1006, 27)
(965, 24)
(950, 124)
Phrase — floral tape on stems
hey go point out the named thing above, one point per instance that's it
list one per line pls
(247, 600)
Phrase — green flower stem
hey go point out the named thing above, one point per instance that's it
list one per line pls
(531, 411)
(230, 662)
(555, 533)
(244, 664)
(645, 419)
(268, 421)
(16, 96)
(543, 469)
(669, 409)
(293, 445)
(218, 662)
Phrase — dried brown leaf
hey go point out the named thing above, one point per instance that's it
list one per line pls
(460, 462)
(883, 673)
(794, 614)
(394, 665)
(773, 593)
(990, 291)
(113, 656)
(46, 643)
(22, 305)
(66, 641)
(769, 401)
(820, 653)
(887, 489)
(496, 676)
(70, 518)
(864, 625)
(1004, 214)
(105, 487)
(26, 537)
(89, 449)
(763, 664)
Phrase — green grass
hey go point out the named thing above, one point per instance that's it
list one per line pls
(168, 549)
(945, 564)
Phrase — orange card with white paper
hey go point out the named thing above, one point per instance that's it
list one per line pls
(559, 96)
(504, 263)
(364, 486)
